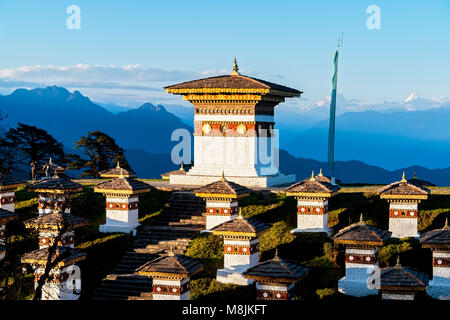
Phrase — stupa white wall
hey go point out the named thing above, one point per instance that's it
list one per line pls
(67, 288)
(403, 220)
(165, 289)
(123, 219)
(359, 265)
(236, 263)
(7, 201)
(439, 286)
(312, 216)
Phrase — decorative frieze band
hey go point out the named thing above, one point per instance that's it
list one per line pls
(221, 211)
(403, 214)
(273, 295)
(360, 258)
(441, 262)
(7, 200)
(122, 206)
(312, 210)
(240, 249)
(170, 290)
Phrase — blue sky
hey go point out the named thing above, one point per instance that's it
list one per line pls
(289, 42)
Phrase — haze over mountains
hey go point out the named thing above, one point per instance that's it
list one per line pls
(390, 135)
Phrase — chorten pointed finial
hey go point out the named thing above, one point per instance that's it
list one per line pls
(240, 216)
(320, 173)
(181, 167)
(399, 263)
(235, 69)
(446, 227)
(312, 177)
(403, 177)
(223, 176)
(415, 176)
(118, 164)
(55, 174)
(361, 218)
(121, 174)
(170, 253)
(277, 256)
(50, 161)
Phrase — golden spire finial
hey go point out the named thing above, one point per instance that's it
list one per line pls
(276, 257)
(50, 161)
(240, 214)
(223, 176)
(312, 177)
(415, 176)
(118, 164)
(361, 218)
(170, 253)
(55, 174)
(235, 69)
(399, 263)
(446, 227)
(181, 166)
(121, 174)
(320, 173)
(403, 177)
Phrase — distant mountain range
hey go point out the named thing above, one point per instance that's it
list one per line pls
(408, 137)
(68, 116)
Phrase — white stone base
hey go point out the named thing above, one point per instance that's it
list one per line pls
(261, 181)
(107, 228)
(403, 228)
(354, 288)
(325, 230)
(439, 290)
(184, 296)
(232, 276)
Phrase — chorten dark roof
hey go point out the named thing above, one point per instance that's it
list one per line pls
(8, 182)
(361, 233)
(65, 255)
(437, 238)
(222, 187)
(56, 184)
(171, 265)
(276, 269)
(117, 172)
(241, 226)
(403, 188)
(312, 186)
(178, 172)
(6, 215)
(129, 185)
(234, 83)
(56, 221)
(402, 278)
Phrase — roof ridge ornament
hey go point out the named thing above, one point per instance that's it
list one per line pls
(118, 164)
(361, 218)
(55, 175)
(235, 69)
(170, 253)
(276, 257)
(415, 176)
(223, 176)
(240, 216)
(446, 227)
(121, 176)
(399, 263)
(312, 177)
(320, 173)
(181, 166)
(403, 177)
